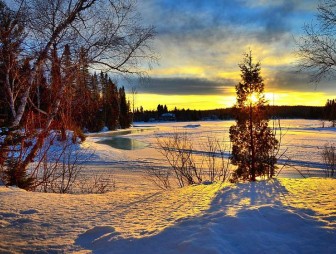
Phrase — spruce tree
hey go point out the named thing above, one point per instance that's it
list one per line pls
(253, 142)
(112, 106)
(125, 115)
(85, 103)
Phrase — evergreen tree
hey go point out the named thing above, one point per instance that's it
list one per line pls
(68, 78)
(160, 110)
(85, 103)
(253, 142)
(125, 115)
(112, 107)
(330, 112)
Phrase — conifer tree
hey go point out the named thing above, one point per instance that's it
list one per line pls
(112, 107)
(330, 111)
(253, 142)
(125, 116)
(85, 103)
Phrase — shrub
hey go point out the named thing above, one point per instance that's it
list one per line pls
(188, 166)
(329, 158)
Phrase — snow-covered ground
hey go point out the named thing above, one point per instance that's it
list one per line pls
(301, 144)
(279, 216)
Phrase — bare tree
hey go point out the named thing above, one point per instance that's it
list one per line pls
(177, 148)
(107, 31)
(317, 47)
(160, 177)
(216, 164)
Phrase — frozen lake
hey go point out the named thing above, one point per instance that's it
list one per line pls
(302, 142)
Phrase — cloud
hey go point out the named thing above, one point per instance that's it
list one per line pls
(215, 34)
(201, 43)
(268, 20)
(290, 80)
(187, 86)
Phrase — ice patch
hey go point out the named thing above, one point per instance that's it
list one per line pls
(191, 126)
(104, 129)
(123, 143)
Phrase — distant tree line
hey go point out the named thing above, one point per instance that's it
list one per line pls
(283, 112)
(329, 112)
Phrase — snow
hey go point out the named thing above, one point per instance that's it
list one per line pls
(285, 215)
(278, 216)
(302, 142)
(247, 219)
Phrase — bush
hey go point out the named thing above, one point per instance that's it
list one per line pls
(329, 158)
(14, 147)
(95, 184)
(62, 171)
(187, 166)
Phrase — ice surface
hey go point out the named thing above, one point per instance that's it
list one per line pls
(301, 144)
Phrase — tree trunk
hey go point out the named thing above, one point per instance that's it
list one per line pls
(59, 86)
(41, 137)
(10, 96)
(252, 170)
(21, 109)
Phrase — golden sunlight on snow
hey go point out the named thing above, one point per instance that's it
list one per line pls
(137, 210)
(133, 212)
(313, 194)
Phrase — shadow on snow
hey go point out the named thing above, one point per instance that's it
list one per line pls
(247, 218)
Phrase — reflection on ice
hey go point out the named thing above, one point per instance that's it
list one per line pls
(123, 143)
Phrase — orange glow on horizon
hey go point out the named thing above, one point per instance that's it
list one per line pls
(206, 102)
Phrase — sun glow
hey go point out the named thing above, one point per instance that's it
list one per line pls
(252, 98)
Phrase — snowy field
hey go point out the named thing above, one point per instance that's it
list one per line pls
(285, 215)
(280, 216)
(301, 144)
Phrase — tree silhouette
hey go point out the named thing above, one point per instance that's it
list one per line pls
(329, 111)
(317, 48)
(124, 105)
(253, 142)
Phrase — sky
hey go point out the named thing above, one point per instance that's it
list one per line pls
(200, 43)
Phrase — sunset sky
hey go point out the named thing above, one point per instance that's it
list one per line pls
(201, 42)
